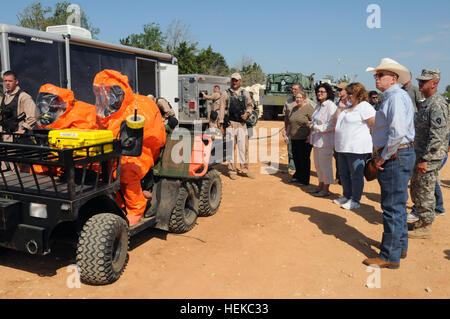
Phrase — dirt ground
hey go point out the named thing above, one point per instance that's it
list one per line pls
(269, 239)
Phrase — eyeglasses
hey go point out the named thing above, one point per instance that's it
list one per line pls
(374, 97)
(321, 91)
(349, 93)
(339, 89)
(381, 74)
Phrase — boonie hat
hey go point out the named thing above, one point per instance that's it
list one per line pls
(428, 74)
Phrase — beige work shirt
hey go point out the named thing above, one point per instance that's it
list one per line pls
(237, 92)
(25, 105)
(165, 109)
(218, 104)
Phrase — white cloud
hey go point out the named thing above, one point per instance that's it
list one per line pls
(405, 54)
(425, 39)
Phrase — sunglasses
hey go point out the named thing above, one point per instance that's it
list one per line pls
(339, 89)
(349, 93)
(381, 74)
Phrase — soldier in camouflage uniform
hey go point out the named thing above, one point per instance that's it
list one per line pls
(432, 126)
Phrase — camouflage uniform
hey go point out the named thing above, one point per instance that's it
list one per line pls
(432, 126)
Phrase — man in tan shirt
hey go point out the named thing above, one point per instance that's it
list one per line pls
(167, 112)
(239, 107)
(14, 104)
(218, 107)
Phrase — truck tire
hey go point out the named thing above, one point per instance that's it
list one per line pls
(210, 194)
(102, 250)
(184, 214)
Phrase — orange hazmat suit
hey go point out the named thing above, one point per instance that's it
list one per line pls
(133, 169)
(68, 113)
(78, 114)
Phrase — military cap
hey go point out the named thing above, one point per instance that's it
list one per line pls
(428, 74)
(236, 76)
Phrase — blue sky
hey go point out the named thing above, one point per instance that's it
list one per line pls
(324, 37)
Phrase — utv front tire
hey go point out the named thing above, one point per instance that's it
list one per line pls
(102, 251)
(184, 215)
(210, 194)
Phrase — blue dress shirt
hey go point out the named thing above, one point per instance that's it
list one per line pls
(394, 121)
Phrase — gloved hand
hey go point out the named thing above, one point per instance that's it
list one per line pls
(172, 122)
(226, 121)
(213, 115)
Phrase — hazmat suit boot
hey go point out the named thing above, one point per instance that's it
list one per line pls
(134, 219)
(421, 230)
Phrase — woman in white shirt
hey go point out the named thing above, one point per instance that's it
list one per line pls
(353, 142)
(322, 139)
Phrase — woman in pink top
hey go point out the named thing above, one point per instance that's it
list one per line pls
(322, 138)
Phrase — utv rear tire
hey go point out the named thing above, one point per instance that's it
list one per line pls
(102, 251)
(210, 194)
(184, 215)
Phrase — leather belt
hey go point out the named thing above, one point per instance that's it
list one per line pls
(402, 147)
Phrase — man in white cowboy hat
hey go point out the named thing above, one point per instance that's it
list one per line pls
(393, 137)
(431, 146)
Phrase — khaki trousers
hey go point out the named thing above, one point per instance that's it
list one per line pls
(237, 133)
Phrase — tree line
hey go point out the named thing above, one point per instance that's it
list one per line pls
(176, 40)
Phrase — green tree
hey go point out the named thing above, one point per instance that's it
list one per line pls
(447, 92)
(213, 63)
(36, 16)
(187, 60)
(151, 39)
(252, 74)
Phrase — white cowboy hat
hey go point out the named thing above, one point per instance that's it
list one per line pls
(391, 65)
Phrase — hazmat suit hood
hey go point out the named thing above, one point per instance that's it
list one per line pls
(113, 95)
(67, 111)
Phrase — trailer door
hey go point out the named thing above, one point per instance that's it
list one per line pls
(36, 62)
(146, 77)
(168, 84)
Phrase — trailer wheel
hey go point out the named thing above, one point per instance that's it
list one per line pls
(210, 194)
(102, 251)
(184, 215)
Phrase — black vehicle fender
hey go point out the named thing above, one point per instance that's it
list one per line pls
(165, 192)
(97, 205)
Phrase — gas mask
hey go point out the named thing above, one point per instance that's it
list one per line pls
(108, 99)
(51, 107)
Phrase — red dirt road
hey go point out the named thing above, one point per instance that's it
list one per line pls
(269, 239)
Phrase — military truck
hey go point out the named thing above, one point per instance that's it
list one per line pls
(278, 90)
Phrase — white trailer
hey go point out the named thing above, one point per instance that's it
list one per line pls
(69, 60)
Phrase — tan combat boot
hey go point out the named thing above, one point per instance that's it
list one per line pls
(421, 230)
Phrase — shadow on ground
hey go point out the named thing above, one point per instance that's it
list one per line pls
(63, 254)
(337, 226)
(447, 254)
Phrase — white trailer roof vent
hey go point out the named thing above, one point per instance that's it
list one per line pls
(70, 29)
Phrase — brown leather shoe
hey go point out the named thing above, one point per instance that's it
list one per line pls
(380, 263)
